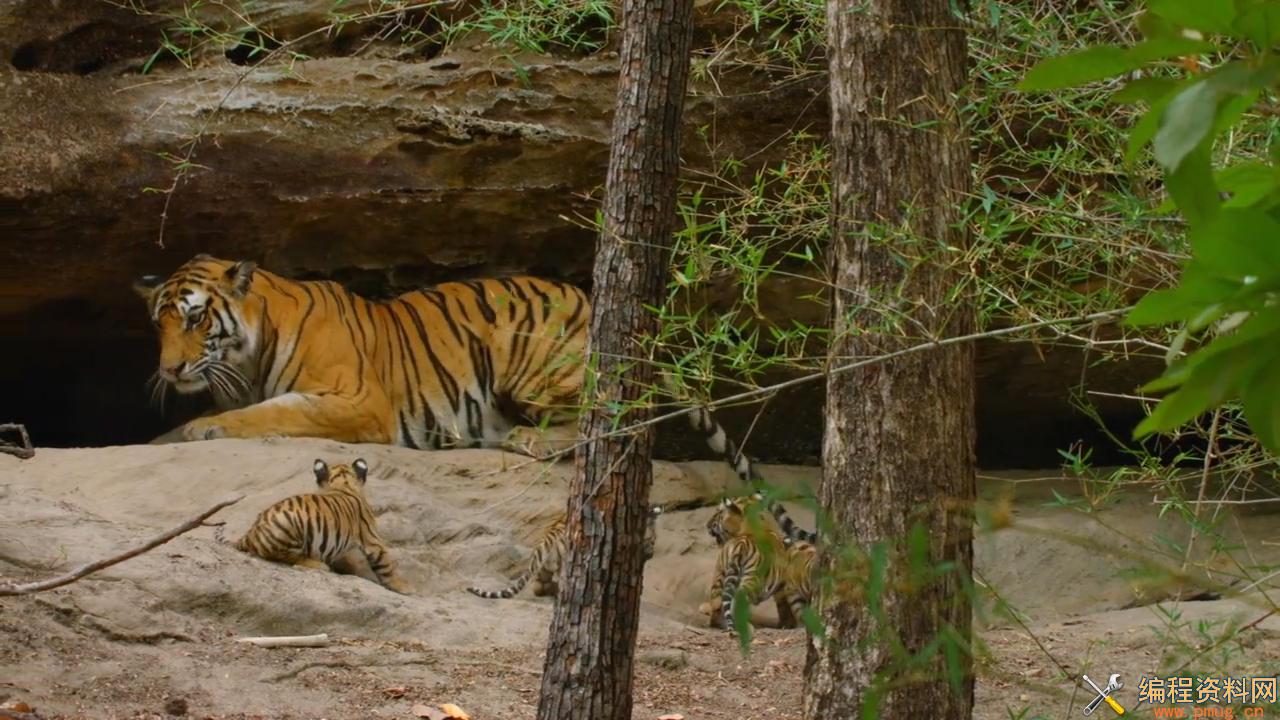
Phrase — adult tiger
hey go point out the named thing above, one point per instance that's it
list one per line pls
(455, 365)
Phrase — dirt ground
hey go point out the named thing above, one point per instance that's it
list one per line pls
(153, 637)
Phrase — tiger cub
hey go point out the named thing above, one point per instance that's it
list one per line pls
(761, 562)
(547, 556)
(721, 526)
(313, 530)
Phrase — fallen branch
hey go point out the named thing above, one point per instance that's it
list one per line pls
(321, 640)
(23, 450)
(164, 537)
(352, 664)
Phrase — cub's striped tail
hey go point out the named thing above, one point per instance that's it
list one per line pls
(548, 555)
(218, 530)
(719, 441)
(551, 542)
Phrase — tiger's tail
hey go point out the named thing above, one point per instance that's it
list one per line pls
(218, 534)
(536, 560)
(720, 443)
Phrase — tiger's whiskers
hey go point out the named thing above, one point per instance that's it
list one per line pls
(158, 390)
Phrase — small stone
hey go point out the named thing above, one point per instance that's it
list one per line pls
(666, 659)
(176, 706)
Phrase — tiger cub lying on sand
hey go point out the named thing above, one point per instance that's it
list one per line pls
(547, 556)
(313, 530)
(760, 561)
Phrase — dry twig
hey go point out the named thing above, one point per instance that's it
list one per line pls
(11, 588)
(320, 640)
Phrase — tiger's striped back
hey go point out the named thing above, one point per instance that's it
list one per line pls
(315, 529)
(548, 555)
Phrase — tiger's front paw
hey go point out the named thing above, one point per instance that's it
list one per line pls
(397, 585)
(203, 429)
(550, 443)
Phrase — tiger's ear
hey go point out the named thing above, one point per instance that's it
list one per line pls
(321, 469)
(655, 511)
(146, 286)
(362, 469)
(240, 276)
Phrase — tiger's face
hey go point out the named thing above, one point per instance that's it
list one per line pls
(206, 333)
(341, 477)
(730, 519)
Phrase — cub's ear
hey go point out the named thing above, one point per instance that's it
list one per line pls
(146, 286)
(322, 472)
(362, 469)
(240, 276)
(655, 511)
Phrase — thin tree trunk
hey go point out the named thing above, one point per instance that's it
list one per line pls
(588, 669)
(898, 449)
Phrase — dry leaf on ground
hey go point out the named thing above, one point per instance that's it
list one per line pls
(426, 711)
(454, 712)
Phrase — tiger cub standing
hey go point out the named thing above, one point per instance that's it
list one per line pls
(547, 556)
(761, 562)
(313, 530)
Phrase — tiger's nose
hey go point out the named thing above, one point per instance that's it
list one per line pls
(174, 371)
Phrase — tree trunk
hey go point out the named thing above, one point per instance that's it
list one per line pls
(898, 449)
(588, 669)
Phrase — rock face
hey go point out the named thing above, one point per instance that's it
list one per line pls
(382, 166)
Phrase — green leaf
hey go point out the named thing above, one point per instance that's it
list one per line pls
(1166, 47)
(1239, 243)
(1248, 182)
(1078, 68)
(1104, 61)
(812, 621)
(1146, 89)
(1175, 375)
(1146, 127)
(1212, 382)
(1191, 186)
(1153, 26)
(1261, 24)
(1185, 124)
(1232, 110)
(742, 620)
(1162, 307)
(1262, 402)
(1214, 16)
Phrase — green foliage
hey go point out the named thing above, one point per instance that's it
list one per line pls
(539, 26)
(1226, 298)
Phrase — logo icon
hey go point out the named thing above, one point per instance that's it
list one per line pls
(1104, 695)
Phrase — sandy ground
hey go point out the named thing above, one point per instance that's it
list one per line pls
(152, 637)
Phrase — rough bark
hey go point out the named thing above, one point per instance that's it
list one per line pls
(899, 440)
(588, 671)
